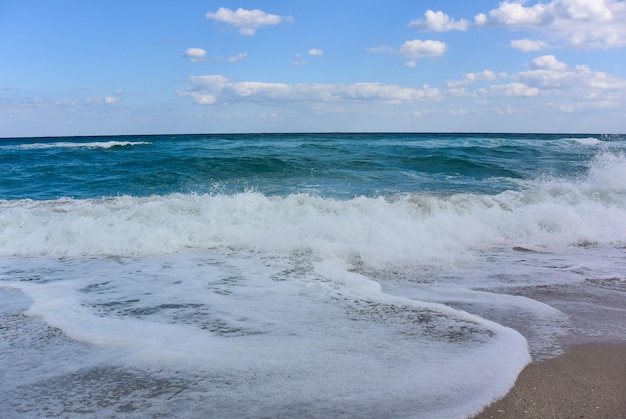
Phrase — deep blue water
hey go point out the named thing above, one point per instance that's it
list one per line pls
(332, 165)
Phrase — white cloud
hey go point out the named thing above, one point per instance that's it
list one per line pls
(439, 22)
(195, 54)
(584, 9)
(213, 89)
(548, 79)
(577, 83)
(198, 55)
(315, 51)
(469, 78)
(26, 105)
(200, 98)
(418, 48)
(514, 90)
(415, 49)
(528, 45)
(481, 19)
(456, 92)
(548, 62)
(233, 59)
(382, 91)
(381, 48)
(513, 13)
(248, 21)
(209, 82)
(574, 23)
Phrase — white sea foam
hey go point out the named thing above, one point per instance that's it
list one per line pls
(67, 144)
(408, 229)
(608, 173)
(318, 330)
(591, 141)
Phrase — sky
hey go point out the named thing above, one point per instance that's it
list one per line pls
(70, 67)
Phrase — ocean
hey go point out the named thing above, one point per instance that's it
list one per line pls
(301, 275)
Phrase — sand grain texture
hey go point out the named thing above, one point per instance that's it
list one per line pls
(588, 381)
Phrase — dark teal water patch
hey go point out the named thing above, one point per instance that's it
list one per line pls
(338, 165)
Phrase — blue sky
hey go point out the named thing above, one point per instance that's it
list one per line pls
(146, 67)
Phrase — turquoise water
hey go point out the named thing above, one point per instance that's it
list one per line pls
(370, 275)
(331, 165)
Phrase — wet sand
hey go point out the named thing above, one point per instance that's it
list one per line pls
(588, 381)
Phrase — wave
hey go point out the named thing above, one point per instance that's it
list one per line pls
(591, 141)
(67, 144)
(608, 172)
(406, 229)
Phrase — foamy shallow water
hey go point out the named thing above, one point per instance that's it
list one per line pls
(232, 334)
(249, 303)
(316, 336)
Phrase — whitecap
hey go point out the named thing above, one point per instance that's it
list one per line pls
(92, 144)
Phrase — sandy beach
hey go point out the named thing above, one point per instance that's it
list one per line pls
(588, 381)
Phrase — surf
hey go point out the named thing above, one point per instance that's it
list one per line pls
(275, 271)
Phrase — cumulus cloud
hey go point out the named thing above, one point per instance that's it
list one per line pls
(550, 78)
(575, 23)
(248, 21)
(469, 78)
(547, 81)
(415, 49)
(195, 55)
(439, 22)
(418, 48)
(512, 13)
(111, 99)
(548, 62)
(528, 45)
(577, 83)
(213, 89)
(572, 23)
(315, 51)
(514, 90)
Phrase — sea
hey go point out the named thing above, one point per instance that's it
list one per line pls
(301, 275)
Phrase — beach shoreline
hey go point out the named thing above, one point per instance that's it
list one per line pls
(587, 381)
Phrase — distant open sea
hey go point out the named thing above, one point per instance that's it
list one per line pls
(301, 275)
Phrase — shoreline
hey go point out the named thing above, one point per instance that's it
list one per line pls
(587, 381)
